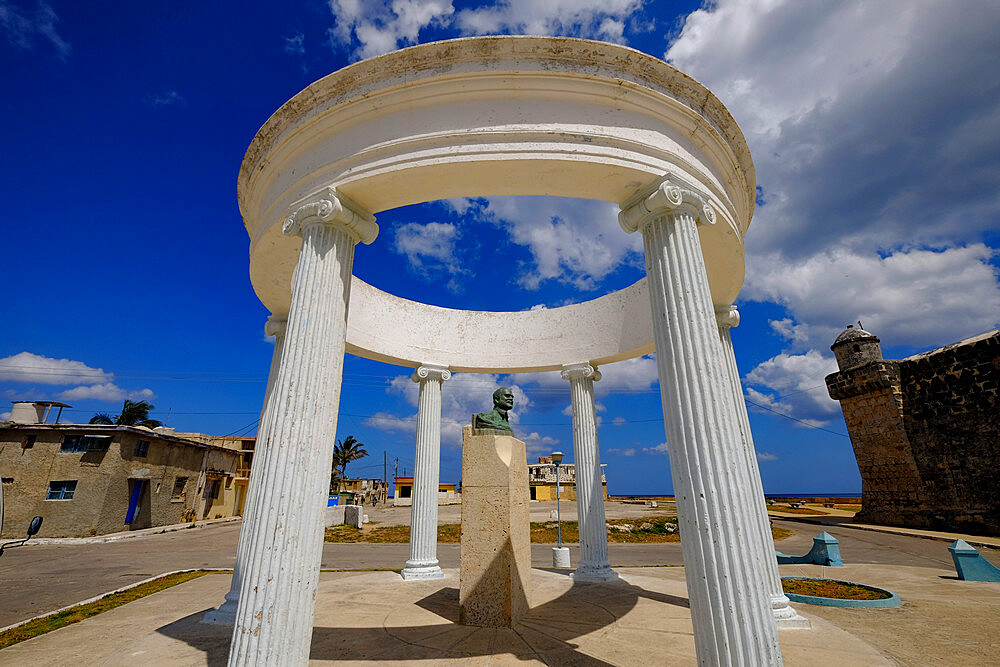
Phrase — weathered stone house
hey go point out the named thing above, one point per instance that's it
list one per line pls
(88, 479)
(925, 431)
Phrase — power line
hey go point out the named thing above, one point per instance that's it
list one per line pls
(804, 423)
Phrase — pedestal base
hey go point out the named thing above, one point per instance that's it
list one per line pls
(420, 572)
(496, 540)
(594, 574)
(560, 556)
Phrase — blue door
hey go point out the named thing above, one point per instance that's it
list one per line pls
(133, 501)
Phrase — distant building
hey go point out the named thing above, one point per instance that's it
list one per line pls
(91, 479)
(542, 480)
(925, 431)
(403, 493)
(361, 491)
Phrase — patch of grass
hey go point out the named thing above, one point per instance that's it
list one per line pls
(828, 588)
(447, 533)
(780, 533)
(786, 509)
(848, 508)
(647, 530)
(80, 612)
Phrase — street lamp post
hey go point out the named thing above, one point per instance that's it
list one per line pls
(560, 554)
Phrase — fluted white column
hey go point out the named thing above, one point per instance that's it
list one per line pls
(594, 564)
(423, 562)
(226, 614)
(274, 617)
(786, 617)
(730, 607)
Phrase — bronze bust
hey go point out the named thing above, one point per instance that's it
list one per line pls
(496, 419)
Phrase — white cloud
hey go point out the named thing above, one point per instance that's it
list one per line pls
(910, 297)
(628, 451)
(462, 396)
(4, 415)
(602, 19)
(794, 385)
(766, 456)
(28, 367)
(431, 249)
(92, 383)
(875, 131)
(619, 421)
(296, 44)
(659, 449)
(538, 445)
(574, 241)
(107, 391)
(23, 28)
(169, 98)
(373, 27)
(872, 124)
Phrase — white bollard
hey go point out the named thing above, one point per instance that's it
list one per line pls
(560, 557)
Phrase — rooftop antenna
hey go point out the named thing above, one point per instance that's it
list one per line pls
(859, 325)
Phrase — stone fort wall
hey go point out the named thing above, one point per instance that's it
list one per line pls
(925, 431)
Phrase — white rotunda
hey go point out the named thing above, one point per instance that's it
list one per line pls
(492, 116)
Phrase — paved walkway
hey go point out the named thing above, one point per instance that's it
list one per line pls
(377, 618)
(846, 519)
(39, 578)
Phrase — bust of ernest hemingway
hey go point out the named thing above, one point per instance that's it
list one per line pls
(496, 419)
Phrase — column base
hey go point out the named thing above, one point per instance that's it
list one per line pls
(421, 571)
(786, 617)
(592, 573)
(224, 615)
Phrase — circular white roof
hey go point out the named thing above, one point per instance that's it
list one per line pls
(493, 116)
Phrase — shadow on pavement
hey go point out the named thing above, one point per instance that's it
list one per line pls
(545, 633)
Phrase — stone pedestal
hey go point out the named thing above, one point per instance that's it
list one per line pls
(496, 539)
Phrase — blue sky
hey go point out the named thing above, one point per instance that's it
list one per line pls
(875, 131)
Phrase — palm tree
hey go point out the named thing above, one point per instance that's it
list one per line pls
(134, 413)
(345, 451)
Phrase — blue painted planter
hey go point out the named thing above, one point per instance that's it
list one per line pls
(891, 601)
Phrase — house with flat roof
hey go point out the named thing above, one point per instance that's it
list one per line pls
(93, 479)
(403, 493)
(542, 480)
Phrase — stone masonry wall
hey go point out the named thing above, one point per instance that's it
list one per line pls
(952, 421)
(926, 434)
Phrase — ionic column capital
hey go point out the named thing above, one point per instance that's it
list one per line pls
(727, 316)
(329, 207)
(276, 325)
(426, 372)
(581, 370)
(669, 195)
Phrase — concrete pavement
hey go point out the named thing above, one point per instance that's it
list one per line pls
(376, 617)
(39, 578)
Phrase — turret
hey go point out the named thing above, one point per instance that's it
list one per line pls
(855, 347)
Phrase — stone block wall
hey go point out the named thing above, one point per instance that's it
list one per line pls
(926, 434)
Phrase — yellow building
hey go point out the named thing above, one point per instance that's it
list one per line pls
(542, 480)
(403, 493)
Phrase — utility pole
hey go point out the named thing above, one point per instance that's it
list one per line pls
(385, 467)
